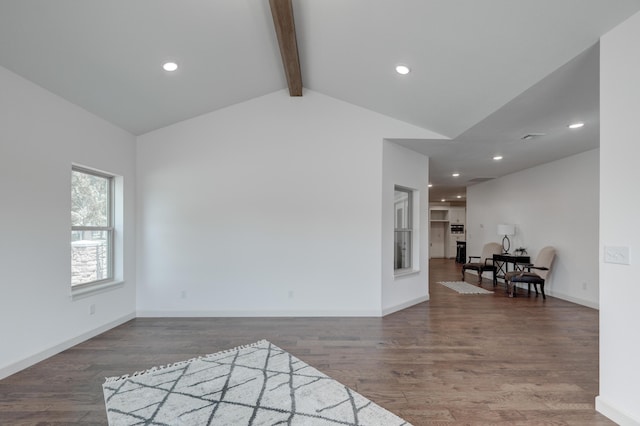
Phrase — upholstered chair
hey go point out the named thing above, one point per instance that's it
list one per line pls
(485, 261)
(535, 273)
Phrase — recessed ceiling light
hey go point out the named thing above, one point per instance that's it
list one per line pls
(170, 66)
(443, 200)
(576, 125)
(402, 69)
(455, 174)
(497, 157)
(458, 196)
(430, 185)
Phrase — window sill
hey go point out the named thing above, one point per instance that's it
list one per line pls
(405, 272)
(80, 293)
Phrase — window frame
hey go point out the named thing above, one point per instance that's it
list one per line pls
(410, 228)
(109, 228)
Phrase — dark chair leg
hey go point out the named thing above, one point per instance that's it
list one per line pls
(542, 291)
(529, 289)
(480, 276)
(463, 269)
(495, 279)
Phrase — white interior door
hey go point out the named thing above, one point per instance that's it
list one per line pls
(437, 239)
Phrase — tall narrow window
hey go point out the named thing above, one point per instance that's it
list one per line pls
(91, 227)
(403, 240)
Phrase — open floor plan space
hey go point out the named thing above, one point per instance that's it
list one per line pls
(456, 359)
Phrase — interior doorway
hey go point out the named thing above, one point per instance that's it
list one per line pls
(437, 239)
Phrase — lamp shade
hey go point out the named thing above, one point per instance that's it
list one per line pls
(506, 229)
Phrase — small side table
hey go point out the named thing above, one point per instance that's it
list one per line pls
(502, 261)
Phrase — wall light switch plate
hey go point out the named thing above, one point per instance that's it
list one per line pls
(616, 255)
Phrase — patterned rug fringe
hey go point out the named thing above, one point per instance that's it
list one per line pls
(179, 363)
(258, 383)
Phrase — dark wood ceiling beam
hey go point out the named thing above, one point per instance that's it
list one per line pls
(282, 12)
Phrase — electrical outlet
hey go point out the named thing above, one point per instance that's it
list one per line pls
(618, 255)
(584, 285)
(92, 309)
(290, 294)
(183, 294)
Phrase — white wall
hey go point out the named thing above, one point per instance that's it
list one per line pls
(409, 169)
(553, 204)
(42, 135)
(619, 214)
(268, 207)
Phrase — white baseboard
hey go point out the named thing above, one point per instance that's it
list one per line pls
(614, 414)
(587, 303)
(254, 314)
(41, 356)
(486, 275)
(405, 305)
(578, 301)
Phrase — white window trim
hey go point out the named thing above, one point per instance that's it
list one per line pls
(98, 287)
(415, 233)
(405, 272)
(117, 244)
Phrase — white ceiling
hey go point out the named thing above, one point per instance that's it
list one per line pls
(568, 95)
(473, 63)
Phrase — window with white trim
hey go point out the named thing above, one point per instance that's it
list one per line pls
(92, 227)
(403, 238)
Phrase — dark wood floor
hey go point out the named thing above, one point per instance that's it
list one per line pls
(457, 359)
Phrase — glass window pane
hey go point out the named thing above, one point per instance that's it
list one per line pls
(90, 256)
(403, 210)
(89, 199)
(403, 238)
(402, 252)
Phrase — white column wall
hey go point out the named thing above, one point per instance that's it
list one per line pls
(42, 135)
(407, 168)
(553, 204)
(268, 207)
(619, 212)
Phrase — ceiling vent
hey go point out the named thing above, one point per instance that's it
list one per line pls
(530, 136)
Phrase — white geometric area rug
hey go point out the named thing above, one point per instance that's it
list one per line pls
(258, 384)
(465, 288)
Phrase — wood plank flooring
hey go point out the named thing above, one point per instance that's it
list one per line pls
(456, 359)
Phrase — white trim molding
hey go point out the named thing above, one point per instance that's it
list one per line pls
(254, 314)
(608, 410)
(41, 356)
(405, 305)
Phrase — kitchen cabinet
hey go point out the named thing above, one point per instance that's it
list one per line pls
(447, 227)
(457, 215)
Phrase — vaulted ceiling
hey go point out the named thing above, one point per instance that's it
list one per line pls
(483, 72)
